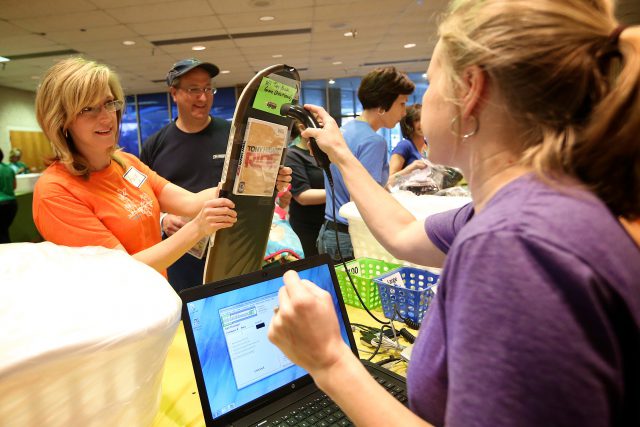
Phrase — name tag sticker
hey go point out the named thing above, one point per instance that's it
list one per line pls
(218, 156)
(135, 177)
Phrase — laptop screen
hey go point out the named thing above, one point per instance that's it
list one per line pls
(239, 364)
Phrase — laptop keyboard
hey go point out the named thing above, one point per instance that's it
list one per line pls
(320, 411)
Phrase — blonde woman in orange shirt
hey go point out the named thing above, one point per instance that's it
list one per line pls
(94, 195)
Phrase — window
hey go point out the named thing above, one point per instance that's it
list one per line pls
(154, 113)
(349, 104)
(314, 92)
(156, 110)
(224, 103)
(129, 127)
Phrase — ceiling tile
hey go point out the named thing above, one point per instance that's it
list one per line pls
(383, 27)
(66, 22)
(112, 32)
(108, 4)
(270, 41)
(7, 30)
(24, 44)
(289, 18)
(161, 11)
(235, 6)
(168, 28)
(20, 9)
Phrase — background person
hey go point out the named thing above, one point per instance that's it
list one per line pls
(18, 166)
(537, 317)
(8, 203)
(408, 155)
(306, 211)
(383, 94)
(189, 151)
(413, 146)
(94, 195)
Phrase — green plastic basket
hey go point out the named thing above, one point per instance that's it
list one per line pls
(362, 271)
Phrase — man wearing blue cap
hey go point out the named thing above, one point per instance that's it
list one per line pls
(189, 151)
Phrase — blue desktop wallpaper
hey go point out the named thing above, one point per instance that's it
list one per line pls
(213, 353)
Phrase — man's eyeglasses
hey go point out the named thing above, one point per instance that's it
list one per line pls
(109, 107)
(197, 91)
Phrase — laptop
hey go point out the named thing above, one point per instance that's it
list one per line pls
(245, 380)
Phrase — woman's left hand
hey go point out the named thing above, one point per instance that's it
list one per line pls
(216, 214)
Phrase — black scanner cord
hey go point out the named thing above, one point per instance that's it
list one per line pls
(299, 113)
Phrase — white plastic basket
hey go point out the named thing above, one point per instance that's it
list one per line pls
(365, 245)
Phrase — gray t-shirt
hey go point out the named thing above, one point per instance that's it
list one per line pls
(537, 319)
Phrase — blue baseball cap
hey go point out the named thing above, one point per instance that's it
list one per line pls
(182, 67)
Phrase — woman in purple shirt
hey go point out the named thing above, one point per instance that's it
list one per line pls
(537, 318)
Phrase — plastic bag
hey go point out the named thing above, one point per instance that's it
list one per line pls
(284, 244)
(428, 180)
(454, 192)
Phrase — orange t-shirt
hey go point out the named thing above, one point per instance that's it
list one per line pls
(108, 209)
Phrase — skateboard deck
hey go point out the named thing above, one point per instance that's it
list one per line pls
(255, 151)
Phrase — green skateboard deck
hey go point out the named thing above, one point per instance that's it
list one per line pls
(255, 151)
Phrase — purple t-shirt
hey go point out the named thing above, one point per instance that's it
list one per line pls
(537, 318)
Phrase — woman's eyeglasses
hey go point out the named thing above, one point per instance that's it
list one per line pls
(197, 91)
(110, 107)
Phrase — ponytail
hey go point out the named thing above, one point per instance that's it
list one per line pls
(608, 158)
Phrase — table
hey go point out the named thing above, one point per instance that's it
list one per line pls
(180, 404)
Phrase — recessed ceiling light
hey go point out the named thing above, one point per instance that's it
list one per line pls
(348, 34)
(198, 48)
(128, 42)
(277, 55)
(337, 62)
(332, 82)
(267, 18)
(409, 45)
(225, 72)
(3, 59)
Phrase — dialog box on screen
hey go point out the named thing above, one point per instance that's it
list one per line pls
(253, 356)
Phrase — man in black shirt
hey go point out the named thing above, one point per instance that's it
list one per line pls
(189, 151)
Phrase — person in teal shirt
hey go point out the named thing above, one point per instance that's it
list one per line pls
(8, 204)
(18, 166)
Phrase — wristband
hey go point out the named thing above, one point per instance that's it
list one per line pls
(162, 215)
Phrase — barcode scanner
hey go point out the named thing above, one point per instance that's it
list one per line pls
(305, 117)
(297, 112)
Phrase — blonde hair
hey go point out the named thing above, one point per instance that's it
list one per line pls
(573, 89)
(67, 87)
